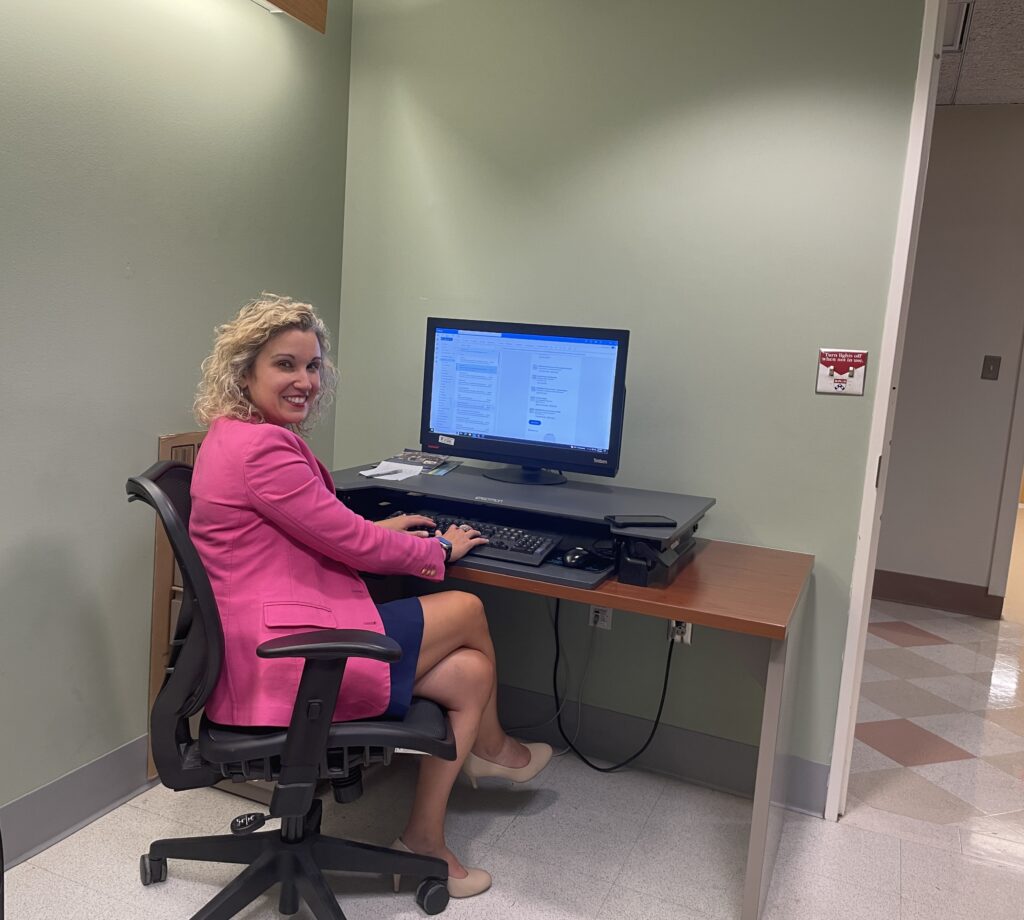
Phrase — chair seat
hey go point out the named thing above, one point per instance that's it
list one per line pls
(425, 728)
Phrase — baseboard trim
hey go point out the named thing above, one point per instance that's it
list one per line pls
(52, 812)
(718, 763)
(954, 596)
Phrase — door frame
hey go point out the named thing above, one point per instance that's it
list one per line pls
(889, 360)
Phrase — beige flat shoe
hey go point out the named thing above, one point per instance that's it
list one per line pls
(477, 768)
(477, 881)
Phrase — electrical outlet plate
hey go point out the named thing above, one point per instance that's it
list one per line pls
(601, 617)
(678, 631)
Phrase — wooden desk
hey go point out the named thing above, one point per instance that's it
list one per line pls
(742, 589)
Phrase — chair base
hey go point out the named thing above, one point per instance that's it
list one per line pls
(296, 857)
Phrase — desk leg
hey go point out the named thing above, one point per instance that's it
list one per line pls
(766, 822)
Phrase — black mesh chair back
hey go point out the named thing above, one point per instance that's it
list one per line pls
(197, 648)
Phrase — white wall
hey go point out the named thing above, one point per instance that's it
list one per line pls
(951, 427)
(160, 163)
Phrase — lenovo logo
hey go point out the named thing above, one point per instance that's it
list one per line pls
(484, 498)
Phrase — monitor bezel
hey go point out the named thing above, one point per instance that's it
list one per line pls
(529, 455)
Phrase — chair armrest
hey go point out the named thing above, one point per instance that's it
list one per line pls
(332, 644)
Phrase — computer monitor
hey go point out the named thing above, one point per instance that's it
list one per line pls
(542, 397)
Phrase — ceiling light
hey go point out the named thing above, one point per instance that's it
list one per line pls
(958, 23)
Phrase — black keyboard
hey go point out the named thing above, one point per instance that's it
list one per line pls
(513, 544)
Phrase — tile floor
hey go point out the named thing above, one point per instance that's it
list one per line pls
(934, 829)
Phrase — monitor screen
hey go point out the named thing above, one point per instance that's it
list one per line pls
(542, 397)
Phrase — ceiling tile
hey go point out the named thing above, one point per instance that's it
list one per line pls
(948, 73)
(993, 62)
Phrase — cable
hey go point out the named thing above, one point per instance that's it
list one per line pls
(558, 710)
(558, 716)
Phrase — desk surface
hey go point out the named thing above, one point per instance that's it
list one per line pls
(743, 589)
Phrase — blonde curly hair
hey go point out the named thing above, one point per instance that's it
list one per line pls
(221, 392)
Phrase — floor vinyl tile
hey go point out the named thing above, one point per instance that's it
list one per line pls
(861, 814)
(35, 894)
(959, 884)
(804, 896)
(993, 645)
(1007, 826)
(993, 849)
(905, 634)
(842, 852)
(628, 794)
(906, 699)
(867, 711)
(961, 630)
(623, 903)
(871, 673)
(972, 732)
(872, 641)
(986, 787)
(960, 689)
(700, 868)
(104, 856)
(907, 612)
(908, 744)
(866, 758)
(912, 910)
(904, 662)
(903, 792)
(1011, 764)
(583, 840)
(1011, 718)
(963, 659)
(684, 804)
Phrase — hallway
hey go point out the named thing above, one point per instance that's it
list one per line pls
(939, 749)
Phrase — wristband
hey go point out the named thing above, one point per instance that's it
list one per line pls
(447, 546)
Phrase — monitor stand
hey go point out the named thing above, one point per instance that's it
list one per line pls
(526, 475)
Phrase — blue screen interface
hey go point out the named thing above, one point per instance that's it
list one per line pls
(550, 390)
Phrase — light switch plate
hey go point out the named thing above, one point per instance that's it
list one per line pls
(990, 367)
(841, 371)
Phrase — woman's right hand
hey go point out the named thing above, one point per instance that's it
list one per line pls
(462, 538)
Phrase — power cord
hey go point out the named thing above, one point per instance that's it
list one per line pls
(558, 705)
(568, 681)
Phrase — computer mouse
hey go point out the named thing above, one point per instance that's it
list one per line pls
(577, 557)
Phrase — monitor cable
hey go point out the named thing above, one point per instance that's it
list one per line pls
(558, 706)
(565, 699)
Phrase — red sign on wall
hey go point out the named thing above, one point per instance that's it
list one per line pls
(841, 371)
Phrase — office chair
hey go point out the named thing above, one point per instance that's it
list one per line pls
(311, 749)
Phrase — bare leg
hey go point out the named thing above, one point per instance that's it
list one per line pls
(461, 682)
(453, 620)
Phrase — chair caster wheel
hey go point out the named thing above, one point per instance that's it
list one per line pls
(432, 895)
(152, 871)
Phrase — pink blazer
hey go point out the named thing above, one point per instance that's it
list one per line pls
(282, 553)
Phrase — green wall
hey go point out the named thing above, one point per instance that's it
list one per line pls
(161, 163)
(723, 180)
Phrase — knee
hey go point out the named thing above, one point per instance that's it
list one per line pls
(473, 610)
(475, 674)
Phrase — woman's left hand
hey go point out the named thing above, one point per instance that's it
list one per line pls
(416, 524)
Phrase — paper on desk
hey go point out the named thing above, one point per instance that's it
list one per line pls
(395, 471)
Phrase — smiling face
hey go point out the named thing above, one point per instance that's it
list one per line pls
(284, 380)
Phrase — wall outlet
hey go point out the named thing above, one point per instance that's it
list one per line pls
(678, 631)
(601, 617)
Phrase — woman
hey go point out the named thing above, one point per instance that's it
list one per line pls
(283, 554)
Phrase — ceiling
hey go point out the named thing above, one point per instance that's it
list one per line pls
(990, 67)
